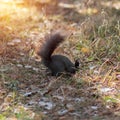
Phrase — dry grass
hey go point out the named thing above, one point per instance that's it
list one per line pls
(95, 40)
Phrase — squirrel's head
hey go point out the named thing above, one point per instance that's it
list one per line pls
(77, 63)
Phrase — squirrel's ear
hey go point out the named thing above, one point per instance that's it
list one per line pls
(77, 63)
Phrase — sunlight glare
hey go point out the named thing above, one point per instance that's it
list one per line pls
(7, 1)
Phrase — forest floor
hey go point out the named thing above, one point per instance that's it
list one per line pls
(28, 92)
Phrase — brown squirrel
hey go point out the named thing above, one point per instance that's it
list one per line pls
(58, 64)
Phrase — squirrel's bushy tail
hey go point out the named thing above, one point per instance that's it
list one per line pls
(51, 43)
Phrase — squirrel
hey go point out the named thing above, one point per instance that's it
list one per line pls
(57, 64)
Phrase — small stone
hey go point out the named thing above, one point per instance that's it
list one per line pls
(94, 107)
(62, 112)
(70, 107)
